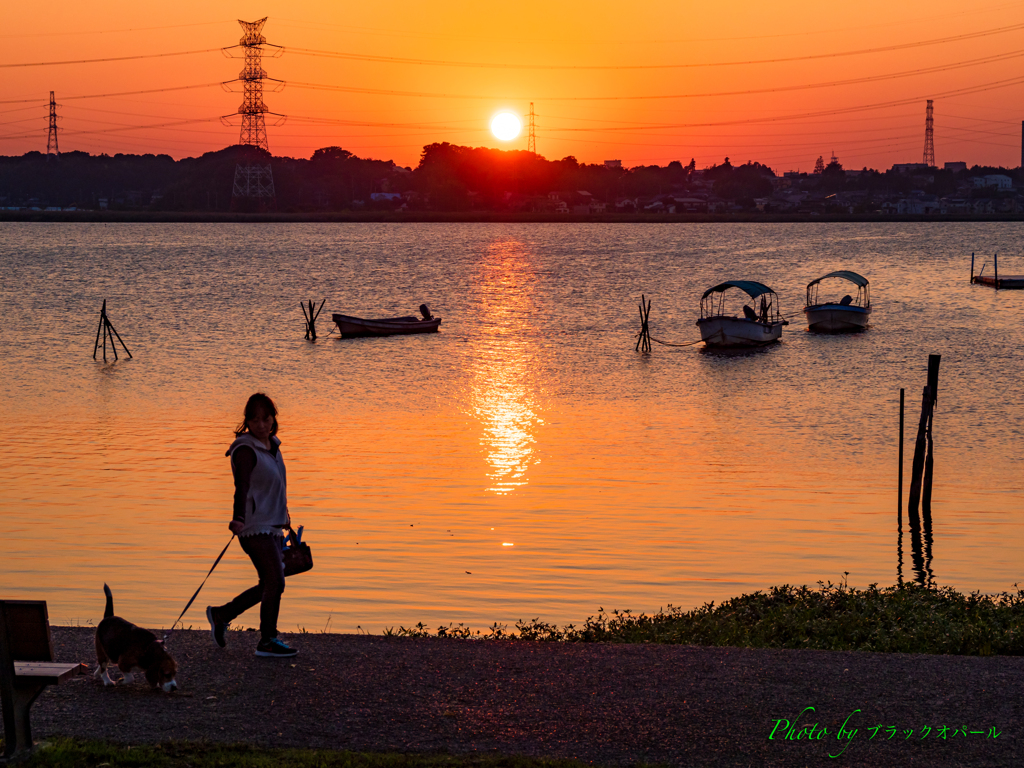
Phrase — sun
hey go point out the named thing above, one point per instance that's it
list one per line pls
(506, 126)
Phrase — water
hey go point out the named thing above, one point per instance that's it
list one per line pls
(524, 462)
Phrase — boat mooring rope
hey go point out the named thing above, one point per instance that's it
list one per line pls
(670, 344)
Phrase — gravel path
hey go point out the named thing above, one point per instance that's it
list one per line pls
(605, 704)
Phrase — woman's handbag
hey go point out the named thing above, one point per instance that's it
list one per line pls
(298, 557)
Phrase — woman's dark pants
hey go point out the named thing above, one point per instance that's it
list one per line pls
(264, 550)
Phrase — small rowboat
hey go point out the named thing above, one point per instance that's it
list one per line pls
(352, 327)
(755, 329)
(846, 314)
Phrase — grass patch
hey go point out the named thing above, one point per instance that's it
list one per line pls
(909, 618)
(74, 753)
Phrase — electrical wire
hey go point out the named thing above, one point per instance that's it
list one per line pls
(658, 97)
(86, 33)
(122, 93)
(624, 67)
(971, 11)
(66, 132)
(112, 58)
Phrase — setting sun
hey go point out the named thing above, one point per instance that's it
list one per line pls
(506, 126)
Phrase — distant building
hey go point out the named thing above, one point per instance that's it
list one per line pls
(613, 164)
(909, 167)
(691, 205)
(955, 167)
(997, 180)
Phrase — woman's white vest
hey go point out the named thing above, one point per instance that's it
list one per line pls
(266, 506)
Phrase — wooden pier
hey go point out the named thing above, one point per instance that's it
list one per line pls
(1010, 281)
(995, 281)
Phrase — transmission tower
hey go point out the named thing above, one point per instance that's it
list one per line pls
(254, 182)
(929, 137)
(51, 140)
(531, 141)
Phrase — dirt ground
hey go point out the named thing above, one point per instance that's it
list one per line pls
(604, 704)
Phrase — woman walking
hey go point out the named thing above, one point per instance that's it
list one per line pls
(260, 515)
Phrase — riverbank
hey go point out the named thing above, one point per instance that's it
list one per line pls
(609, 704)
(456, 217)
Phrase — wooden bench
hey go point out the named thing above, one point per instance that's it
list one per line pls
(26, 668)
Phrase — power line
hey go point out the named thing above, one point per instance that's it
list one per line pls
(218, 84)
(120, 129)
(104, 60)
(693, 65)
(569, 67)
(971, 12)
(662, 97)
(81, 32)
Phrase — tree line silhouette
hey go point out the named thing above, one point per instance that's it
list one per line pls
(448, 177)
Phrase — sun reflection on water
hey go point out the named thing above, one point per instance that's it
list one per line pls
(502, 397)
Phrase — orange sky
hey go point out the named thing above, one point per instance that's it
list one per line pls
(575, 112)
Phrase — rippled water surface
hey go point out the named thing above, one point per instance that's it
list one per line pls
(525, 461)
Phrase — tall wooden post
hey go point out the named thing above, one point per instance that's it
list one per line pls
(899, 501)
(899, 495)
(920, 446)
(996, 259)
(972, 266)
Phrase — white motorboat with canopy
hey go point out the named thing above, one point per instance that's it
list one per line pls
(755, 328)
(845, 314)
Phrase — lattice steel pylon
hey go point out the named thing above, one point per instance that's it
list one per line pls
(929, 137)
(531, 141)
(254, 181)
(51, 140)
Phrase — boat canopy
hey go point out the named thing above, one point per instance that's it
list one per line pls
(845, 274)
(750, 287)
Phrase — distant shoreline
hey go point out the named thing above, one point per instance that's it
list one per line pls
(464, 217)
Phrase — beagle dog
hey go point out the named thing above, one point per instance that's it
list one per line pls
(129, 647)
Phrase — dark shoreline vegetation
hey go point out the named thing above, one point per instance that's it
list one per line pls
(834, 617)
(73, 753)
(461, 183)
(482, 217)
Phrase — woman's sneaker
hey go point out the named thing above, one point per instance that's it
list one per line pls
(217, 628)
(275, 648)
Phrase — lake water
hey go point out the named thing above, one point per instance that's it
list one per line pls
(525, 461)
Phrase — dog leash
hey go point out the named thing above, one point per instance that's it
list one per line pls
(215, 562)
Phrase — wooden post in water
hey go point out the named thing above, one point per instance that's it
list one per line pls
(996, 267)
(643, 342)
(920, 446)
(933, 378)
(311, 318)
(99, 328)
(924, 427)
(108, 332)
(972, 267)
(899, 495)
(929, 463)
(899, 501)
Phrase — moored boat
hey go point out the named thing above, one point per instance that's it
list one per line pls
(754, 329)
(351, 327)
(845, 314)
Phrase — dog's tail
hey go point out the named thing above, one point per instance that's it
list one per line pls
(109, 610)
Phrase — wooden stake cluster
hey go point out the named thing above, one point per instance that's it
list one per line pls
(311, 318)
(643, 342)
(108, 331)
